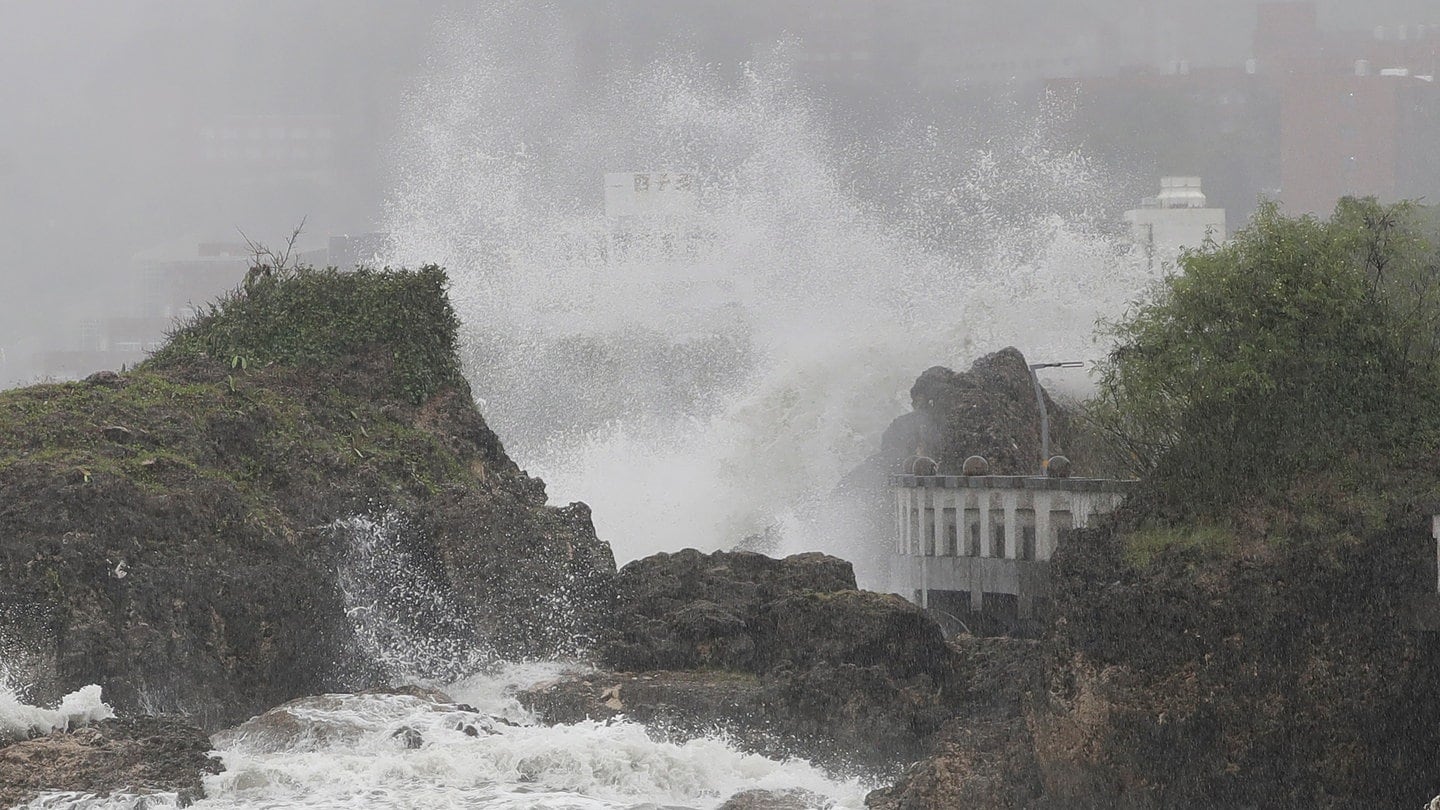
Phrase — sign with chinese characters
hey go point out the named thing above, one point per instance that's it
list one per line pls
(630, 194)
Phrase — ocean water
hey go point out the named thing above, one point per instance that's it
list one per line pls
(19, 719)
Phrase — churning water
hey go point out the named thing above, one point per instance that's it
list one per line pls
(401, 751)
(699, 375)
(711, 373)
(349, 751)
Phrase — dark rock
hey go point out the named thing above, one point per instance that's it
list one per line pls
(412, 690)
(318, 721)
(142, 755)
(688, 610)
(850, 627)
(979, 761)
(686, 704)
(989, 411)
(792, 799)
(409, 738)
(841, 716)
(231, 534)
(791, 659)
(543, 581)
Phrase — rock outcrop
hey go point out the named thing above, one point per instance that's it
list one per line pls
(785, 655)
(140, 756)
(792, 799)
(988, 411)
(1278, 677)
(176, 533)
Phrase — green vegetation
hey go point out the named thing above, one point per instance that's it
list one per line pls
(289, 392)
(1286, 380)
(315, 318)
(1141, 545)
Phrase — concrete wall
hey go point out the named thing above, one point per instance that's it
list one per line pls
(988, 534)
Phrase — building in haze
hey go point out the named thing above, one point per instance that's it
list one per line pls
(1310, 117)
(1179, 217)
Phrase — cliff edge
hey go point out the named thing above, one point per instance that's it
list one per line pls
(271, 504)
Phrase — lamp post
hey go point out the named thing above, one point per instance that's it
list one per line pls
(1045, 414)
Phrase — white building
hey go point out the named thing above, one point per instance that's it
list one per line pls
(982, 543)
(1176, 219)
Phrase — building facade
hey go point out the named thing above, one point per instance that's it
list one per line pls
(981, 544)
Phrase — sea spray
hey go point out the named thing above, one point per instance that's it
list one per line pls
(821, 304)
(405, 620)
(19, 720)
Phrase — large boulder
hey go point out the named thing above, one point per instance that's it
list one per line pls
(784, 654)
(842, 716)
(988, 411)
(689, 610)
(789, 799)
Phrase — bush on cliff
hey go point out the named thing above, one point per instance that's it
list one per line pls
(317, 317)
(1299, 347)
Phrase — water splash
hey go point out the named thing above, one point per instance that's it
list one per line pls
(404, 619)
(717, 381)
(19, 720)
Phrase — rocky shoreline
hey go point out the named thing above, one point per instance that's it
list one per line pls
(177, 534)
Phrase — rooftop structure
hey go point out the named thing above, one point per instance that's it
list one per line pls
(1175, 219)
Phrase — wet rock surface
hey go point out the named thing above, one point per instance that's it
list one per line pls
(747, 612)
(144, 755)
(319, 722)
(784, 654)
(989, 411)
(793, 799)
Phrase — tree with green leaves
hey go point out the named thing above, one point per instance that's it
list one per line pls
(1297, 346)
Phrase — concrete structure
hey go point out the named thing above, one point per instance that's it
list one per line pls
(982, 543)
(1177, 218)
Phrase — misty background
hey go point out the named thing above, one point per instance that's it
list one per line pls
(132, 133)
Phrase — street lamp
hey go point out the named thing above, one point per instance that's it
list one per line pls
(1045, 414)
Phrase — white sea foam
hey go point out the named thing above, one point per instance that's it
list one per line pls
(79, 708)
(343, 751)
(351, 756)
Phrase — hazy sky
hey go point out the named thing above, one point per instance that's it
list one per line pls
(104, 104)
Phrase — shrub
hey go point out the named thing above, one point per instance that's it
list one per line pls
(1299, 346)
(318, 317)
